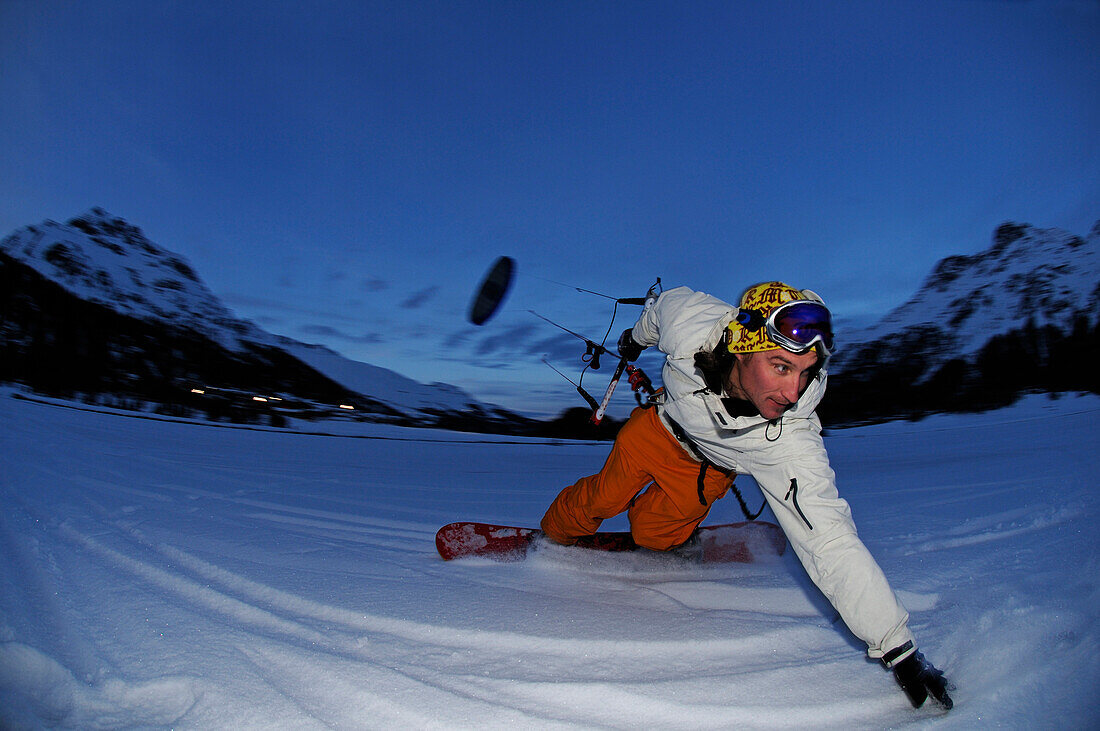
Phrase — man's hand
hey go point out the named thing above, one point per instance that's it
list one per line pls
(920, 678)
(627, 347)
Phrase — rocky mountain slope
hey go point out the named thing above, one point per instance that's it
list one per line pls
(92, 305)
(1021, 315)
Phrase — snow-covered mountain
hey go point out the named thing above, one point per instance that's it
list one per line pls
(104, 260)
(1027, 277)
(1023, 315)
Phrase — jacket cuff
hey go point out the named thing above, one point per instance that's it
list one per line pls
(892, 658)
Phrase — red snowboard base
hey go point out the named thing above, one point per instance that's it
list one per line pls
(733, 542)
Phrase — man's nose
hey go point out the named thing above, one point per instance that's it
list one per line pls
(790, 392)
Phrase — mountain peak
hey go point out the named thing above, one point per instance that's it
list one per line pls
(1045, 277)
(1015, 247)
(105, 259)
(122, 237)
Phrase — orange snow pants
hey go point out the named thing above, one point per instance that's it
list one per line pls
(644, 455)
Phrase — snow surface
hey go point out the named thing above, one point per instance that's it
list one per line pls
(160, 574)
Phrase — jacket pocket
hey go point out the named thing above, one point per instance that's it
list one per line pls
(792, 496)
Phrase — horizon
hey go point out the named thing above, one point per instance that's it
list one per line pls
(1011, 262)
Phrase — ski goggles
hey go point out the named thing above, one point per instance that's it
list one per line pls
(796, 326)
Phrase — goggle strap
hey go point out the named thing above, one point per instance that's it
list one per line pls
(751, 320)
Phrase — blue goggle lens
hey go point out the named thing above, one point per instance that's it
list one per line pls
(804, 323)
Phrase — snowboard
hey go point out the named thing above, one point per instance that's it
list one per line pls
(732, 542)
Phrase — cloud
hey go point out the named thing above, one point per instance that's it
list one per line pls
(373, 284)
(457, 339)
(418, 299)
(516, 345)
(236, 300)
(325, 331)
(505, 340)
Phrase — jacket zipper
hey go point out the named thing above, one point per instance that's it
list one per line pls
(792, 495)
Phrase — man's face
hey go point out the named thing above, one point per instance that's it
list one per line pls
(771, 380)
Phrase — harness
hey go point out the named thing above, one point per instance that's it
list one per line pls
(705, 464)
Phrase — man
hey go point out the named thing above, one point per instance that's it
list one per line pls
(740, 389)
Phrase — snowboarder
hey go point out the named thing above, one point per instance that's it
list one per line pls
(741, 385)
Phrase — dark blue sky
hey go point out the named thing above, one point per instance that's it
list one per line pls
(343, 172)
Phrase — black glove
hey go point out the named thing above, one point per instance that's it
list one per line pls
(920, 678)
(627, 347)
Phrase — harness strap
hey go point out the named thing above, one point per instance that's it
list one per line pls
(683, 438)
(702, 482)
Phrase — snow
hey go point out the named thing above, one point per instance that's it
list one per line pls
(163, 574)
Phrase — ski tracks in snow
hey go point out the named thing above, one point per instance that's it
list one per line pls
(170, 576)
(372, 661)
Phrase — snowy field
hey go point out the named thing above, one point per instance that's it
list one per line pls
(158, 574)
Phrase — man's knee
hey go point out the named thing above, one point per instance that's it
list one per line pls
(660, 523)
(564, 521)
(659, 534)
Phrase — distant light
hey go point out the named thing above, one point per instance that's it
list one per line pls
(346, 406)
(259, 398)
(197, 390)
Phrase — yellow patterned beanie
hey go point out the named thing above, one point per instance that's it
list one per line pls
(762, 298)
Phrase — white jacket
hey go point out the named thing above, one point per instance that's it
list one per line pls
(787, 459)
